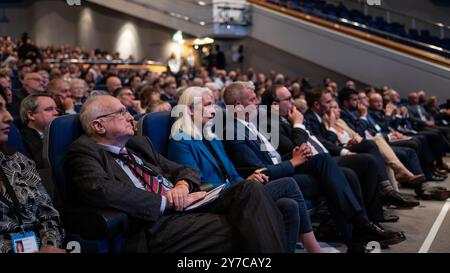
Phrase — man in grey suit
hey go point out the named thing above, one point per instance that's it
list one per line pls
(109, 167)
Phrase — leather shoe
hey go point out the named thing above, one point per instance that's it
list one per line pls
(373, 232)
(410, 181)
(394, 198)
(386, 218)
(389, 218)
(434, 193)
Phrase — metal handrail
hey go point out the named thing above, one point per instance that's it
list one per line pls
(364, 3)
(438, 49)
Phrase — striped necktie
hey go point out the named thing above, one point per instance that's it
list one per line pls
(152, 182)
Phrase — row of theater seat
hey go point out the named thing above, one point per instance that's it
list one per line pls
(326, 11)
(97, 230)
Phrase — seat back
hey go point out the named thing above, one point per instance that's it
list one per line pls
(157, 126)
(15, 139)
(61, 132)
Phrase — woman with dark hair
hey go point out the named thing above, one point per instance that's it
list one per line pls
(26, 210)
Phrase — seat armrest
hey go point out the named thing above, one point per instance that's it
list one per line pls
(94, 223)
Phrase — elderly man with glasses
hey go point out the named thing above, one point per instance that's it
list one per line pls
(109, 167)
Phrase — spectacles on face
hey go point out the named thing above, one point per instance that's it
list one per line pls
(285, 99)
(35, 79)
(122, 112)
(129, 94)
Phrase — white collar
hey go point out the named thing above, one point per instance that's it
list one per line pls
(318, 117)
(111, 148)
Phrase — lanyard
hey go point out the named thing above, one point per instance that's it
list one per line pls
(15, 205)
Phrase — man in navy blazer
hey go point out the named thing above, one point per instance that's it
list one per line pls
(319, 101)
(293, 133)
(214, 167)
(422, 119)
(102, 167)
(427, 145)
(249, 148)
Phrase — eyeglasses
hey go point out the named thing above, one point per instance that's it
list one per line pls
(122, 112)
(36, 79)
(286, 99)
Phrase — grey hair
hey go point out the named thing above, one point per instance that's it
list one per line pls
(88, 113)
(30, 104)
(234, 91)
(75, 81)
(184, 122)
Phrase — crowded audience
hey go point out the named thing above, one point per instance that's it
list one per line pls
(352, 146)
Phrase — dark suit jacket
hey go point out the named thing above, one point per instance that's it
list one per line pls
(168, 99)
(354, 121)
(97, 180)
(385, 122)
(14, 107)
(246, 154)
(418, 123)
(33, 145)
(318, 129)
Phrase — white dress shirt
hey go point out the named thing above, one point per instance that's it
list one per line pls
(137, 183)
(274, 155)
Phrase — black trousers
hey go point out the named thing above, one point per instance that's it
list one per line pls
(342, 195)
(421, 145)
(243, 219)
(369, 147)
(363, 165)
(444, 141)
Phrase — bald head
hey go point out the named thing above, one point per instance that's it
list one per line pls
(106, 121)
(93, 107)
(112, 84)
(375, 101)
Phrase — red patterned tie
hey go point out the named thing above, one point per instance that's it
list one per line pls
(151, 183)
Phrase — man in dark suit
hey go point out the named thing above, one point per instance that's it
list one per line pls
(110, 168)
(37, 111)
(319, 102)
(422, 120)
(427, 151)
(247, 147)
(293, 133)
